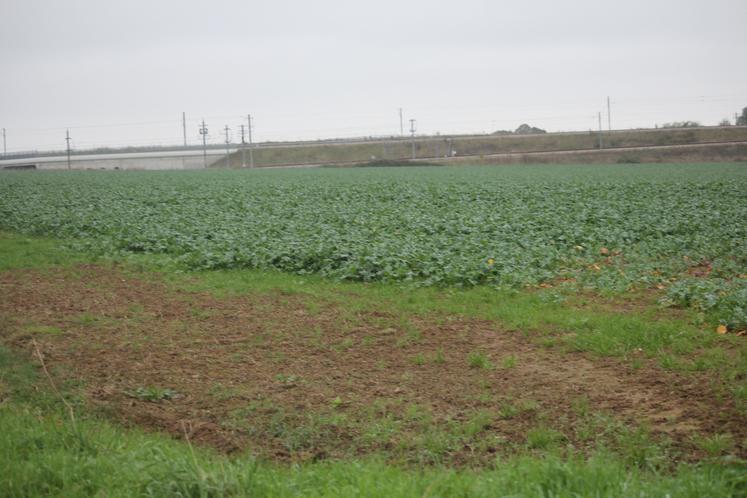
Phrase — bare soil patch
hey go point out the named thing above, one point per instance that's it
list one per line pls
(289, 380)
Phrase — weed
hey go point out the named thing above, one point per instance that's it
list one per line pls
(152, 394)
(277, 357)
(509, 361)
(419, 359)
(508, 410)
(581, 406)
(671, 362)
(85, 319)
(542, 438)
(222, 393)
(485, 398)
(528, 405)
(317, 335)
(43, 329)
(344, 344)
(136, 308)
(288, 380)
(434, 445)
(237, 357)
(412, 334)
(313, 307)
(200, 313)
(549, 342)
(715, 445)
(479, 359)
(439, 358)
(380, 430)
(418, 414)
(638, 448)
(739, 391)
(477, 423)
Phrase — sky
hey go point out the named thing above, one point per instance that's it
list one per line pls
(122, 73)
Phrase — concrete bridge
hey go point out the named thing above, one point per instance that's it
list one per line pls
(187, 159)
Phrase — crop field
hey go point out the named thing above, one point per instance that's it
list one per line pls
(680, 227)
(418, 331)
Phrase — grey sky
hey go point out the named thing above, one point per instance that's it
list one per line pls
(121, 73)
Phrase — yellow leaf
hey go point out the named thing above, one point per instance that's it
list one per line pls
(604, 251)
(721, 329)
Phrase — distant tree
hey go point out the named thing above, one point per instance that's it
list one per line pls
(724, 122)
(742, 120)
(525, 129)
(681, 124)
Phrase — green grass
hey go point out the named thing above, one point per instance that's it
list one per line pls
(35, 252)
(419, 359)
(716, 445)
(542, 437)
(478, 359)
(43, 454)
(509, 361)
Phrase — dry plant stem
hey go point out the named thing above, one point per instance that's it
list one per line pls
(191, 449)
(51, 382)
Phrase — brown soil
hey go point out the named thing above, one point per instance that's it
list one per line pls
(292, 380)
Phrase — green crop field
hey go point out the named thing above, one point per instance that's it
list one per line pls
(614, 228)
(405, 331)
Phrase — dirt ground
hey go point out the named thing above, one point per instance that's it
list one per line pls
(292, 379)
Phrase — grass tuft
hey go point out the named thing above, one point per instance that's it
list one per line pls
(479, 359)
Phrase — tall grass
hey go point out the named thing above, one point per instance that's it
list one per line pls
(44, 455)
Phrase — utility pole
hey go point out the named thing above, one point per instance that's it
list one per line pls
(401, 126)
(412, 133)
(228, 150)
(249, 131)
(5, 150)
(609, 116)
(204, 132)
(601, 145)
(736, 122)
(67, 139)
(243, 148)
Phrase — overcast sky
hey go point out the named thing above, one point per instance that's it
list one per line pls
(121, 73)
